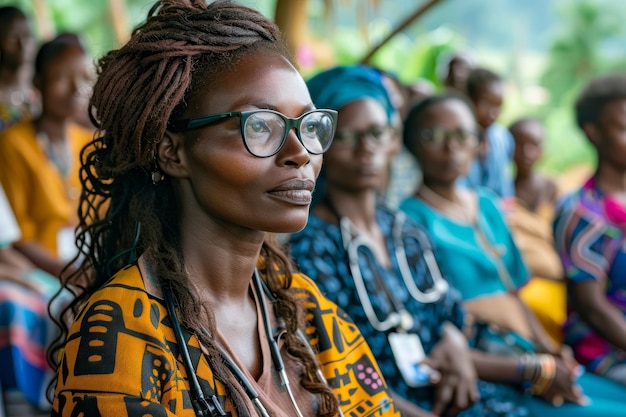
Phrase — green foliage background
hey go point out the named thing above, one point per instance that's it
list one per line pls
(546, 50)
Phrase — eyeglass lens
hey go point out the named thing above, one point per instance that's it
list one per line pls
(438, 137)
(265, 132)
(377, 136)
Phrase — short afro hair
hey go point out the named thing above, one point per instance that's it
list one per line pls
(478, 78)
(596, 95)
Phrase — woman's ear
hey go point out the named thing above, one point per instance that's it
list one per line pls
(171, 156)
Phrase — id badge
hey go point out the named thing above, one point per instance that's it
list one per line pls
(409, 354)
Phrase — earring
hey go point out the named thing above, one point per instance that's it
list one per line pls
(157, 176)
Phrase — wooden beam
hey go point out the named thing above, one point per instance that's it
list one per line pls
(405, 23)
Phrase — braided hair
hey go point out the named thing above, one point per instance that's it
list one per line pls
(140, 87)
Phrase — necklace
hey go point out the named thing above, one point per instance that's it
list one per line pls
(58, 152)
(452, 208)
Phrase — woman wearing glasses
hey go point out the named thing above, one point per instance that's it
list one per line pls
(479, 258)
(208, 142)
(377, 265)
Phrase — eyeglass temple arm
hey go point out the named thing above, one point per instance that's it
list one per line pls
(197, 122)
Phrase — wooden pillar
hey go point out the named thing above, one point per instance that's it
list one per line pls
(119, 20)
(43, 21)
(292, 18)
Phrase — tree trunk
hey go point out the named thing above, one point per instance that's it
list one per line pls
(292, 18)
(119, 20)
(44, 21)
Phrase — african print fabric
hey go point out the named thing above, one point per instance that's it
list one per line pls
(590, 235)
(121, 357)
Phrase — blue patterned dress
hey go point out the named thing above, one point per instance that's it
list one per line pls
(319, 252)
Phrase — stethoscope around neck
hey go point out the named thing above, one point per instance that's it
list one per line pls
(399, 319)
(209, 405)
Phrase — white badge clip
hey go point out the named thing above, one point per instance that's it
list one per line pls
(409, 355)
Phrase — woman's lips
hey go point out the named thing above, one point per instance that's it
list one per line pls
(298, 192)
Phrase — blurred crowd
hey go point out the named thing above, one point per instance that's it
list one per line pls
(483, 286)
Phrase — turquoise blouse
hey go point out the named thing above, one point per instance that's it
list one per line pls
(478, 259)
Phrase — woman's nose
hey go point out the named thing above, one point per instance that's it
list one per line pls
(294, 152)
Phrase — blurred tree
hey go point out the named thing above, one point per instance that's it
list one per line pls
(42, 16)
(291, 16)
(419, 11)
(119, 19)
(575, 55)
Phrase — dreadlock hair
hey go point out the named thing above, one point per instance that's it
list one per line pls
(477, 79)
(596, 95)
(140, 87)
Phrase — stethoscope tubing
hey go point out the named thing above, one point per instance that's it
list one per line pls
(399, 319)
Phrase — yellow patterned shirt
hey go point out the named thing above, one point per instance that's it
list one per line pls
(121, 357)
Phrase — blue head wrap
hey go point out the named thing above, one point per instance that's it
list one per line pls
(336, 87)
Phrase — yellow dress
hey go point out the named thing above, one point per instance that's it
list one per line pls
(545, 293)
(121, 357)
(43, 200)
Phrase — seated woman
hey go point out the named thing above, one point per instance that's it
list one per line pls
(479, 258)
(590, 234)
(39, 158)
(207, 144)
(530, 219)
(374, 262)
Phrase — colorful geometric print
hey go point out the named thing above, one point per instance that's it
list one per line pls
(345, 357)
(121, 358)
(591, 241)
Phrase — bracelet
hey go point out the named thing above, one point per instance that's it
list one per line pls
(530, 367)
(546, 375)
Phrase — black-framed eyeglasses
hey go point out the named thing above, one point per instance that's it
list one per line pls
(376, 136)
(265, 132)
(438, 137)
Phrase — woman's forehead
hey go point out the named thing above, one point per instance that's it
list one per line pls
(256, 79)
(451, 110)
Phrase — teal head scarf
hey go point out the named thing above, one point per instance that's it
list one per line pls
(336, 87)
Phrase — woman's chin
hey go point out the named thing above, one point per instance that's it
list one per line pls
(292, 225)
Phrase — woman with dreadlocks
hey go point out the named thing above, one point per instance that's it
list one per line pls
(208, 142)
